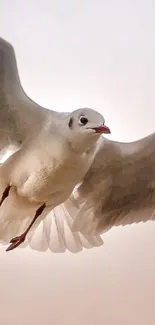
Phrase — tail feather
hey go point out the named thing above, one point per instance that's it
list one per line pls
(55, 233)
(38, 239)
(52, 230)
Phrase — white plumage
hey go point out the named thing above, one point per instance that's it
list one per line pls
(119, 188)
(54, 153)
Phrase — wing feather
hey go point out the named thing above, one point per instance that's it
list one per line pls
(20, 117)
(119, 188)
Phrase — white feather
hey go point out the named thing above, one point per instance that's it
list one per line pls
(119, 188)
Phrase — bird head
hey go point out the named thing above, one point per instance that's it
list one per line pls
(85, 126)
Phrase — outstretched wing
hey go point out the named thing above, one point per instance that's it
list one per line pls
(119, 188)
(20, 117)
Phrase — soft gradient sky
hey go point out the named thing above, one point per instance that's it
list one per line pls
(99, 54)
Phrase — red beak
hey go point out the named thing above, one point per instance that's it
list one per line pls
(102, 129)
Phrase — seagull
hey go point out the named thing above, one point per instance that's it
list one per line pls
(51, 153)
(64, 183)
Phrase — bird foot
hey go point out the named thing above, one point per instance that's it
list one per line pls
(15, 242)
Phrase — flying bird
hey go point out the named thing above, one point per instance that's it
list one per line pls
(64, 184)
(51, 152)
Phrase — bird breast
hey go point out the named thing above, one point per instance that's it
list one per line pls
(46, 177)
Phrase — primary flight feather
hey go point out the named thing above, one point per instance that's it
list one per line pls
(64, 183)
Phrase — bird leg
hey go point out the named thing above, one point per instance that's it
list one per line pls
(5, 194)
(15, 242)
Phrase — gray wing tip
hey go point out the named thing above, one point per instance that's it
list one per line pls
(6, 48)
(4, 43)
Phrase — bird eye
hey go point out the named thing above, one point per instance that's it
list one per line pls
(83, 120)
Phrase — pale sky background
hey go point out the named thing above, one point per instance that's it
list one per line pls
(99, 54)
